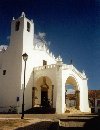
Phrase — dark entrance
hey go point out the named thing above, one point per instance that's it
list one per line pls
(44, 98)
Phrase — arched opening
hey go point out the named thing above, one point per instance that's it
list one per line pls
(43, 92)
(72, 94)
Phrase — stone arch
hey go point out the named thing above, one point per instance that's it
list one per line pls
(77, 79)
(44, 74)
(71, 79)
(72, 98)
(43, 94)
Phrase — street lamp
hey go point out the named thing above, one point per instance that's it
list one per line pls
(25, 57)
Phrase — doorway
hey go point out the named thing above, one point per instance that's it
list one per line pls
(44, 97)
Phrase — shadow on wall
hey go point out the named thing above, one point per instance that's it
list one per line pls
(28, 92)
(93, 123)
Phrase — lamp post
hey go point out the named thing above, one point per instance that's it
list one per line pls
(25, 57)
(52, 94)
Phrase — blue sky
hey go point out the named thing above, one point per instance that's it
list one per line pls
(72, 27)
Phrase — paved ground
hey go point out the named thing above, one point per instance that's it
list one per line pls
(49, 121)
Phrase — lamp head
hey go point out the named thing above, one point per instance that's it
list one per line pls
(25, 57)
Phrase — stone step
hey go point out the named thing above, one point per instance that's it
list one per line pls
(72, 110)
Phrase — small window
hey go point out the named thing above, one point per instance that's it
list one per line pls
(28, 26)
(44, 62)
(17, 25)
(4, 72)
(17, 99)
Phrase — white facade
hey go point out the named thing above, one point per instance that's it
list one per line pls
(51, 77)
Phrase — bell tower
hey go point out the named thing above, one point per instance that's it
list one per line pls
(21, 41)
(22, 34)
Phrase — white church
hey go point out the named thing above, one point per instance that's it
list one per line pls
(44, 78)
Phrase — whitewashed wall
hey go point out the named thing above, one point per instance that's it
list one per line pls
(11, 84)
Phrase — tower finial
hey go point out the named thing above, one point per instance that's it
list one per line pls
(23, 14)
(32, 20)
(71, 62)
(13, 18)
(59, 58)
(83, 72)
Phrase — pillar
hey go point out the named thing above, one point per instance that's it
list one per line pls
(84, 103)
(77, 93)
(60, 99)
